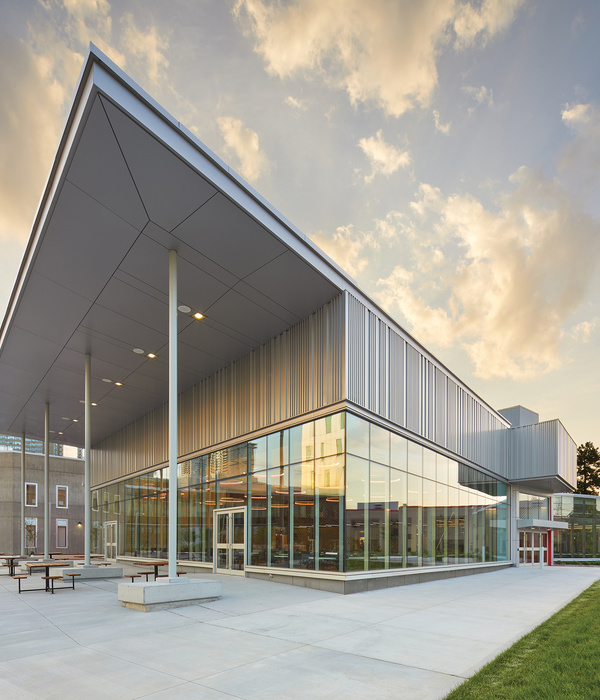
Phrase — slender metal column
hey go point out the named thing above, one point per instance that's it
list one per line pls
(87, 515)
(47, 482)
(22, 494)
(172, 414)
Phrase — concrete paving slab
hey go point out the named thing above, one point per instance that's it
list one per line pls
(267, 640)
(319, 673)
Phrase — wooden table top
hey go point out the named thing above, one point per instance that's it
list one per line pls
(45, 563)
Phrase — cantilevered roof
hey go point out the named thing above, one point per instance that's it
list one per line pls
(128, 184)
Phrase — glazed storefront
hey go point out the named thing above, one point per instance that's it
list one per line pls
(334, 494)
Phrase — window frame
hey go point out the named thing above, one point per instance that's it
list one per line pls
(59, 523)
(31, 483)
(66, 488)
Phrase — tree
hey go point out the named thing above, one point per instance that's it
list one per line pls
(588, 469)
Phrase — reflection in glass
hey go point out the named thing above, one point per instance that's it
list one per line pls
(278, 481)
(357, 481)
(329, 494)
(304, 515)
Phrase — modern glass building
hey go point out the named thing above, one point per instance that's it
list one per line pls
(313, 439)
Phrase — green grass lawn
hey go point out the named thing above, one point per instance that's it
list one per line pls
(559, 660)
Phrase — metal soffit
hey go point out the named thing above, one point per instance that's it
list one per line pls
(128, 185)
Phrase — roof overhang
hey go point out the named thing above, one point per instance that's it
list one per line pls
(537, 525)
(543, 485)
(128, 184)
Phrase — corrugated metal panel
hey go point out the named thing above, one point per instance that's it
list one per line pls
(396, 382)
(413, 388)
(440, 407)
(542, 450)
(296, 372)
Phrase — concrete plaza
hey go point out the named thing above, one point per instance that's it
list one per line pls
(265, 640)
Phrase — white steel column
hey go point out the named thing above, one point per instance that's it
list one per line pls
(87, 515)
(172, 415)
(47, 482)
(23, 494)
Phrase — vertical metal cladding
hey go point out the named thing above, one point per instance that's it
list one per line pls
(389, 375)
(298, 371)
(542, 449)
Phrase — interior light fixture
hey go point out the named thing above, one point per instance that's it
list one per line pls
(63, 418)
(151, 355)
(108, 381)
(198, 315)
(60, 433)
(184, 309)
(94, 404)
(75, 420)
(118, 383)
(53, 431)
(138, 351)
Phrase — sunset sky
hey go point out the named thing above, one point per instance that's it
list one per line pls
(445, 153)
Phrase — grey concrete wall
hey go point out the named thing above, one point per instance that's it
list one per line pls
(63, 472)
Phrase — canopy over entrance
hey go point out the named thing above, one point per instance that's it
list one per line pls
(128, 184)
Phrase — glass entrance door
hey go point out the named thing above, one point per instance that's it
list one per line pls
(530, 544)
(230, 540)
(110, 540)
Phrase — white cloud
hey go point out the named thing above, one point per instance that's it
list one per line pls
(297, 104)
(500, 283)
(349, 248)
(147, 46)
(384, 158)
(442, 128)
(482, 20)
(481, 95)
(244, 143)
(381, 51)
(582, 155)
(583, 331)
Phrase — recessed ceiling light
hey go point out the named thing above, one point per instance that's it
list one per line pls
(151, 355)
(94, 404)
(138, 351)
(63, 418)
(198, 315)
(60, 433)
(108, 381)
(75, 420)
(184, 309)
(118, 383)
(53, 431)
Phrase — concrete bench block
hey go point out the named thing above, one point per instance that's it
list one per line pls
(164, 594)
(92, 572)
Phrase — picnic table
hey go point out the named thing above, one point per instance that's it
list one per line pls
(152, 562)
(46, 565)
(11, 561)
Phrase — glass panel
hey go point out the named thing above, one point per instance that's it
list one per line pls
(259, 518)
(222, 558)
(278, 450)
(304, 515)
(209, 502)
(31, 494)
(232, 492)
(379, 514)
(237, 556)
(302, 442)
(257, 454)
(278, 480)
(330, 435)
(398, 515)
(329, 477)
(415, 458)
(398, 455)
(357, 483)
(414, 521)
(429, 470)
(357, 436)
(222, 528)
(61, 497)
(380, 445)
(238, 528)
(428, 532)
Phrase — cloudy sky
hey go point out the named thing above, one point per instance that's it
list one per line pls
(446, 153)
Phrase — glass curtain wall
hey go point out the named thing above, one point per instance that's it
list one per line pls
(582, 539)
(334, 494)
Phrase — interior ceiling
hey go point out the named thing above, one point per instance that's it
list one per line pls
(99, 284)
